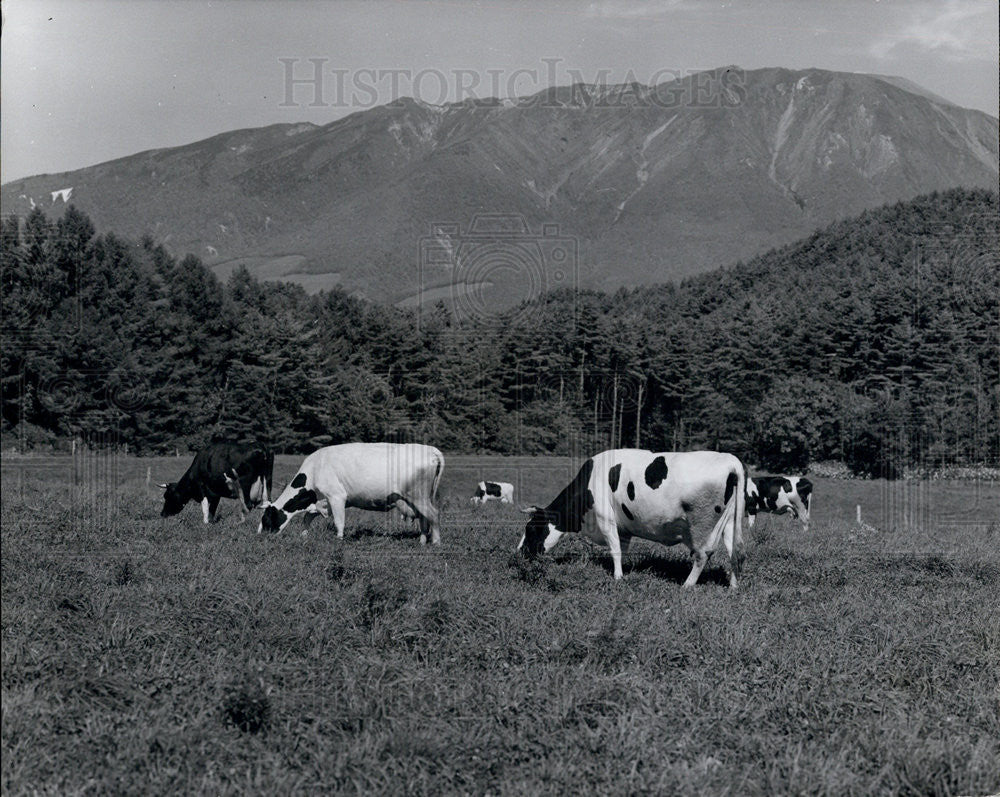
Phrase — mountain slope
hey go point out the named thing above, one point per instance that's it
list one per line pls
(648, 183)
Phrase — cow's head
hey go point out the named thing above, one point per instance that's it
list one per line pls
(799, 498)
(174, 499)
(793, 496)
(273, 519)
(540, 532)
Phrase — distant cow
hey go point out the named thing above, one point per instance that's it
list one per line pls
(223, 470)
(779, 495)
(374, 476)
(494, 491)
(695, 498)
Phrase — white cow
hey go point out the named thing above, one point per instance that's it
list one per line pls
(494, 491)
(695, 498)
(779, 495)
(374, 476)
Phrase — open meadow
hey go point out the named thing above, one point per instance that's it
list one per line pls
(145, 655)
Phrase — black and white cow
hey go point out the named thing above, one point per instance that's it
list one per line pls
(493, 491)
(779, 495)
(695, 498)
(373, 476)
(222, 470)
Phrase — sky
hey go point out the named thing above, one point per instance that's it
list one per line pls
(86, 81)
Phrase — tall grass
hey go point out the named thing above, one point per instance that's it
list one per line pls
(149, 655)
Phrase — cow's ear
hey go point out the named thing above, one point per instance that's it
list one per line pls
(529, 510)
(162, 486)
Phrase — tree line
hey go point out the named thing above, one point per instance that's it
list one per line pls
(873, 342)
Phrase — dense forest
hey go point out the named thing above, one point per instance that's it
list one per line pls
(873, 342)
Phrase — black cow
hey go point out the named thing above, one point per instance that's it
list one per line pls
(223, 470)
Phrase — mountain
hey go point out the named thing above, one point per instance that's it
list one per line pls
(607, 186)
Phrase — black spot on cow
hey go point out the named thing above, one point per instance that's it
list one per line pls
(731, 481)
(299, 481)
(687, 506)
(804, 489)
(575, 501)
(492, 488)
(566, 512)
(718, 509)
(614, 475)
(272, 519)
(656, 472)
(627, 513)
(768, 489)
(536, 530)
(302, 500)
(631, 491)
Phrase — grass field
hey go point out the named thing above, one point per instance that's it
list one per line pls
(145, 655)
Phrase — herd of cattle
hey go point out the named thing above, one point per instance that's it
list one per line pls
(698, 498)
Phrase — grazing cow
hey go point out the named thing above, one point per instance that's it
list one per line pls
(494, 491)
(223, 470)
(374, 476)
(695, 498)
(779, 495)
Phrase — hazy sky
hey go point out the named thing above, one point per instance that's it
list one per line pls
(84, 81)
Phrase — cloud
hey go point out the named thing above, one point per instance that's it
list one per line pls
(644, 9)
(960, 30)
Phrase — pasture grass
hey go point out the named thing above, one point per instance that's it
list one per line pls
(161, 656)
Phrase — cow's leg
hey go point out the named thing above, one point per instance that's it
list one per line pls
(338, 513)
(244, 508)
(736, 565)
(698, 561)
(425, 526)
(321, 507)
(307, 520)
(211, 504)
(608, 527)
(429, 518)
(206, 516)
(424, 511)
(737, 558)
(233, 483)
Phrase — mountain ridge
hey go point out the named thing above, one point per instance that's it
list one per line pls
(646, 183)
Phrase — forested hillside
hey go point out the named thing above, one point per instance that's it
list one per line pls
(874, 342)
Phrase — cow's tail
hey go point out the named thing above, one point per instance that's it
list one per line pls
(268, 475)
(736, 483)
(437, 477)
